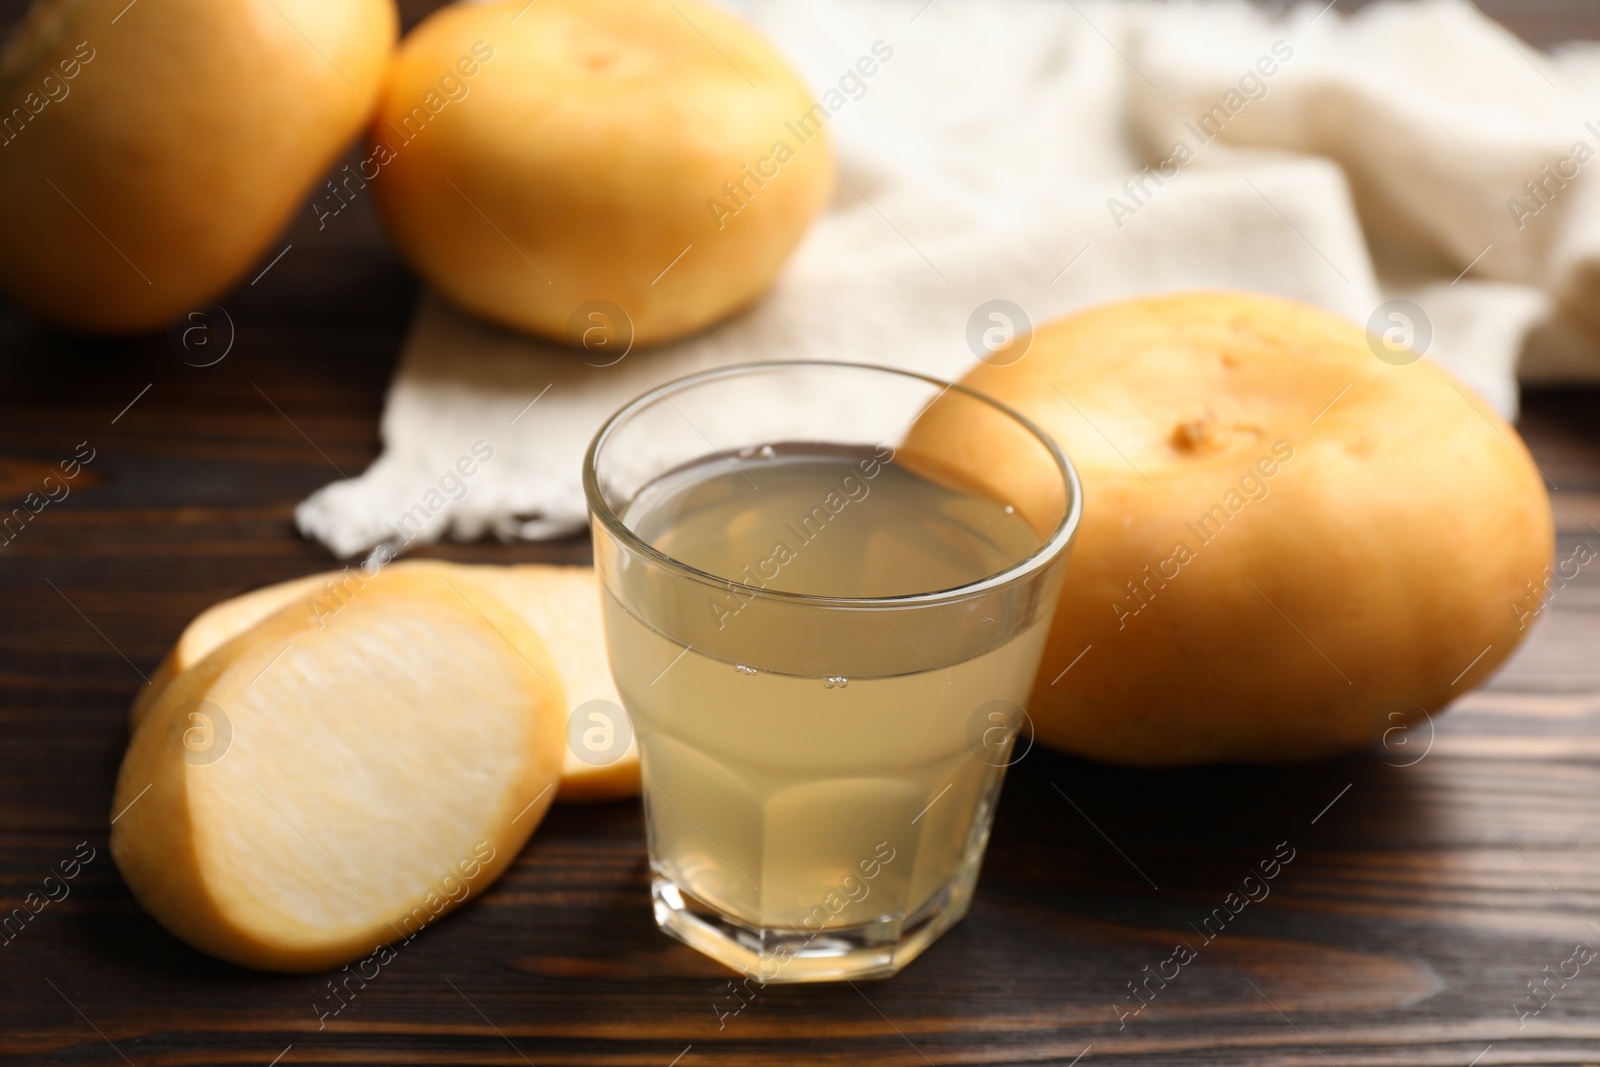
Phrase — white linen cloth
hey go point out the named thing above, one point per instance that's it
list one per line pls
(1413, 150)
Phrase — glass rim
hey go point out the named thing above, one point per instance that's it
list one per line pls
(1051, 547)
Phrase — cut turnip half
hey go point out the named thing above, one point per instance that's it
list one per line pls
(318, 786)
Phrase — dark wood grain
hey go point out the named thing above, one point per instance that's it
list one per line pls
(1416, 907)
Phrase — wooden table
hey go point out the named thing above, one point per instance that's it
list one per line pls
(1429, 882)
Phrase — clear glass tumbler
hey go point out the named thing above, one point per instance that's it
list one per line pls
(823, 720)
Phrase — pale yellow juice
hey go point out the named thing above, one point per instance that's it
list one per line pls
(826, 774)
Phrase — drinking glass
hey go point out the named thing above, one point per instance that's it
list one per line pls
(820, 772)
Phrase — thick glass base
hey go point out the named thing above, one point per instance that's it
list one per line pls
(876, 949)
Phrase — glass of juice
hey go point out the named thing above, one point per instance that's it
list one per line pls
(824, 628)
